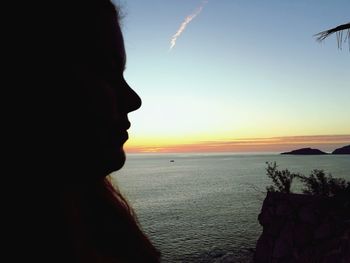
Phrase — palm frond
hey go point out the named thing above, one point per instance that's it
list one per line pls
(340, 31)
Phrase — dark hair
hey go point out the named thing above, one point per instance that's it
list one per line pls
(67, 218)
(106, 227)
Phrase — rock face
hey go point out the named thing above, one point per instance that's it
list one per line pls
(342, 150)
(302, 228)
(305, 151)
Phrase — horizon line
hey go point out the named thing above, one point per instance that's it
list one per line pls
(327, 143)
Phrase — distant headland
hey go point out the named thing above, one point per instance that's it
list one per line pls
(342, 150)
(305, 151)
(310, 151)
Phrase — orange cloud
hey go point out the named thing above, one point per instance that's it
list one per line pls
(274, 144)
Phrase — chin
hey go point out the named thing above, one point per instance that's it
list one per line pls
(115, 161)
(120, 159)
(104, 164)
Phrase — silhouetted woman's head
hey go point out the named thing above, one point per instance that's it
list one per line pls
(74, 121)
(92, 99)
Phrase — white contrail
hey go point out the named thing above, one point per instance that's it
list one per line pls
(184, 24)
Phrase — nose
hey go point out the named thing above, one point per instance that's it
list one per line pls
(132, 99)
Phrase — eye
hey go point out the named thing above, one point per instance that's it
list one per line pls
(110, 72)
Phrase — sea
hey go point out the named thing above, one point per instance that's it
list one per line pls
(205, 207)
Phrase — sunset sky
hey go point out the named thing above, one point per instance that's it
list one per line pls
(243, 75)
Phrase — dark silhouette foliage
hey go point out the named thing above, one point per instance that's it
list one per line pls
(317, 183)
(282, 180)
(340, 31)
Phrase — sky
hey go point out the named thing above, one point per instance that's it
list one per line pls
(242, 76)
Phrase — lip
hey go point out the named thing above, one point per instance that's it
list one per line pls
(119, 131)
(125, 136)
(120, 136)
(122, 125)
(127, 125)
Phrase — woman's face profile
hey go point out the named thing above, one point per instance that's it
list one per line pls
(108, 97)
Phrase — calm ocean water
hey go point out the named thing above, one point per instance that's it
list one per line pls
(204, 207)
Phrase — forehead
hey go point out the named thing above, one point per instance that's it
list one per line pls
(117, 37)
(110, 38)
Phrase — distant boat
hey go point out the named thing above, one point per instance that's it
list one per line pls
(172, 161)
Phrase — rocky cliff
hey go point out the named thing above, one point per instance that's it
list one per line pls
(303, 228)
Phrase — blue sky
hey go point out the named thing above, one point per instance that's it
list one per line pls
(240, 69)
